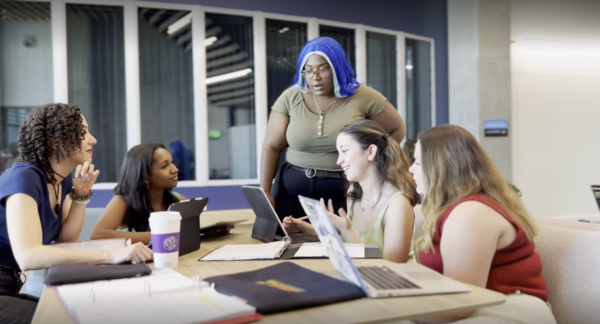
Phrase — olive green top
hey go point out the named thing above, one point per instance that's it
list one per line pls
(307, 149)
(375, 233)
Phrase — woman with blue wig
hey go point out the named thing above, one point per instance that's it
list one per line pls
(307, 118)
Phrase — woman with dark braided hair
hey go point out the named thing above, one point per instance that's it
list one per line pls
(41, 202)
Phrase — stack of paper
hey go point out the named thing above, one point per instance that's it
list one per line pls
(163, 297)
(174, 308)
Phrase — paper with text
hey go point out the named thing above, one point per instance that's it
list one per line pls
(187, 307)
(159, 281)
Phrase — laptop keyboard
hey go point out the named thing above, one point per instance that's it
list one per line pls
(383, 278)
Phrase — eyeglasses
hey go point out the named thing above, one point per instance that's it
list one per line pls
(311, 74)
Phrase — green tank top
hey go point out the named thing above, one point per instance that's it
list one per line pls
(125, 229)
(374, 234)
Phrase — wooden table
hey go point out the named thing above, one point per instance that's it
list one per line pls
(365, 310)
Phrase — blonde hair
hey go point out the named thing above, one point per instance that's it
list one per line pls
(390, 160)
(456, 166)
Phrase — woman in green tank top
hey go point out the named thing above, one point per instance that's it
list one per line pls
(148, 176)
(381, 195)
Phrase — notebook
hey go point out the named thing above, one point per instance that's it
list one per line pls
(166, 296)
(285, 286)
(285, 250)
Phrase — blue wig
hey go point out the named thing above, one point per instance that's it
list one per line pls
(344, 82)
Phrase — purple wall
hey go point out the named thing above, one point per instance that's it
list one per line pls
(220, 197)
(421, 17)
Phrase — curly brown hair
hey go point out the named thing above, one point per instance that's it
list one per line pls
(51, 131)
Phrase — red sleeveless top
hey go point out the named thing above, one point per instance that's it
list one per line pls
(516, 267)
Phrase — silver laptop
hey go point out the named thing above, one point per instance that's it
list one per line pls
(408, 279)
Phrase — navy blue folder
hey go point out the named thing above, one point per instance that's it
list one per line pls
(285, 286)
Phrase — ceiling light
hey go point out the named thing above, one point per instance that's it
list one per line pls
(283, 30)
(228, 76)
(409, 67)
(209, 41)
(179, 24)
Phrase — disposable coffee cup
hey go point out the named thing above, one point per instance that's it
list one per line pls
(164, 230)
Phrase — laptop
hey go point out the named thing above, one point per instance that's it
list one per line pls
(596, 191)
(190, 210)
(409, 279)
(267, 226)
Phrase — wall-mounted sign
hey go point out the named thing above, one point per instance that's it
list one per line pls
(495, 128)
(214, 134)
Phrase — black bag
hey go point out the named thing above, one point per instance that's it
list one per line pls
(76, 273)
(285, 286)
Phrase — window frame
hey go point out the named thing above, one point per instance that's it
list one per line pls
(400, 76)
(132, 78)
(402, 66)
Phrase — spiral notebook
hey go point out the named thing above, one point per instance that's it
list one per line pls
(263, 251)
(163, 297)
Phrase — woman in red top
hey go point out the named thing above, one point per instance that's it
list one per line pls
(476, 230)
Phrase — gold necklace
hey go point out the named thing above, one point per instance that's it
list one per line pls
(321, 113)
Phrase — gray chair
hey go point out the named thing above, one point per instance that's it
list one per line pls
(569, 252)
(91, 217)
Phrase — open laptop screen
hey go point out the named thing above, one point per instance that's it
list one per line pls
(596, 191)
(331, 240)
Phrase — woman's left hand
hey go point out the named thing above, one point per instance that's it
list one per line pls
(84, 178)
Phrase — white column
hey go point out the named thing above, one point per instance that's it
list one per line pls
(401, 74)
(132, 75)
(313, 28)
(58, 14)
(360, 37)
(200, 94)
(260, 83)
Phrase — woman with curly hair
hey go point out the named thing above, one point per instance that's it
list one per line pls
(41, 202)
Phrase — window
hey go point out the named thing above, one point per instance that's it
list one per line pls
(134, 69)
(96, 76)
(285, 40)
(345, 37)
(230, 89)
(381, 65)
(418, 87)
(166, 84)
(26, 77)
